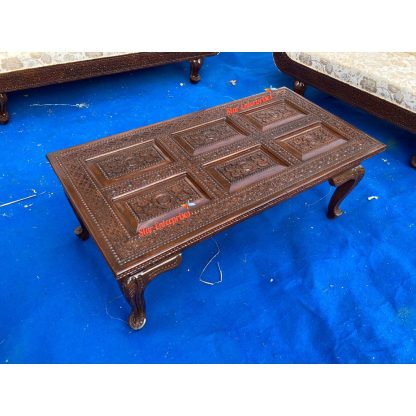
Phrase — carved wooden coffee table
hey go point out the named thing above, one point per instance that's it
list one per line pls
(147, 194)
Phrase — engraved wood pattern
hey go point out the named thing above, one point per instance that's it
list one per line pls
(159, 202)
(312, 141)
(127, 161)
(188, 178)
(273, 114)
(246, 168)
(209, 136)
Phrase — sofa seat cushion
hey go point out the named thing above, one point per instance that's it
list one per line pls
(10, 62)
(388, 75)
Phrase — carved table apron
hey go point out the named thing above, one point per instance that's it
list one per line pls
(147, 194)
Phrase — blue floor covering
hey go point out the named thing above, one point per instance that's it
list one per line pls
(297, 287)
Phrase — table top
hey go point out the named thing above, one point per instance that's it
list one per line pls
(149, 193)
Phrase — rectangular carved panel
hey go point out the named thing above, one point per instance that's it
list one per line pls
(272, 115)
(126, 161)
(311, 142)
(156, 203)
(245, 168)
(209, 136)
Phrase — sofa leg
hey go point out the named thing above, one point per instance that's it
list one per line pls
(413, 161)
(345, 183)
(4, 115)
(195, 67)
(299, 87)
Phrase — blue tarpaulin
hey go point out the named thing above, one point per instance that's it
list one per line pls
(296, 287)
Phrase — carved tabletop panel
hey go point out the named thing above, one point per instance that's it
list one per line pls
(209, 136)
(146, 194)
(273, 114)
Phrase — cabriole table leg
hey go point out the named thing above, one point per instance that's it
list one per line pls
(345, 183)
(133, 289)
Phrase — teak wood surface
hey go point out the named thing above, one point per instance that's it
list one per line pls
(147, 194)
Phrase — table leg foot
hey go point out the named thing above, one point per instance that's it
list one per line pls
(4, 114)
(195, 67)
(133, 289)
(299, 87)
(82, 233)
(413, 161)
(345, 183)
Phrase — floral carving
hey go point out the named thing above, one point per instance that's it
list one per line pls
(207, 137)
(312, 140)
(162, 200)
(127, 161)
(250, 164)
(272, 114)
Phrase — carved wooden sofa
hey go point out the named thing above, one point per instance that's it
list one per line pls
(384, 84)
(24, 70)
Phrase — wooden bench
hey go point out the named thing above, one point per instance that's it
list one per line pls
(147, 194)
(37, 69)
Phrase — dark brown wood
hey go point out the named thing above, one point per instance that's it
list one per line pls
(345, 183)
(304, 75)
(299, 87)
(195, 67)
(147, 194)
(4, 115)
(73, 71)
(80, 231)
(133, 289)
